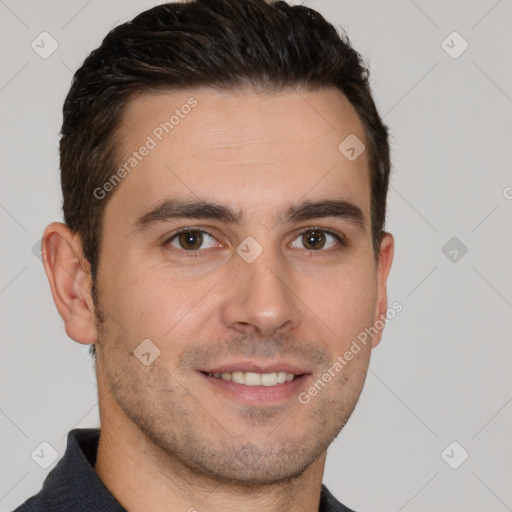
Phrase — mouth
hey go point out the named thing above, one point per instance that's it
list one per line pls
(254, 385)
(253, 378)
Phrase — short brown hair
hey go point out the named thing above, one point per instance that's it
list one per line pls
(264, 44)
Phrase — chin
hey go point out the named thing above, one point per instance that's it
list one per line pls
(251, 464)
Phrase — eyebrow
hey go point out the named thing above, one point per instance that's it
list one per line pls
(202, 209)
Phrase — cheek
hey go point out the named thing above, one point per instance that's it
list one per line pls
(155, 302)
(345, 303)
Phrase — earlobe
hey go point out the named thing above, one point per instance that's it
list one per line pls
(386, 252)
(69, 277)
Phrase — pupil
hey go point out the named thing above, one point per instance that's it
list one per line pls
(191, 240)
(314, 240)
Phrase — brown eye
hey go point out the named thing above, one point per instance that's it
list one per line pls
(192, 240)
(313, 240)
(317, 239)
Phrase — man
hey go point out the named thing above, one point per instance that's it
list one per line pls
(224, 173)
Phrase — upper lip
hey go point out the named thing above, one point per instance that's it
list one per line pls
(250, 366)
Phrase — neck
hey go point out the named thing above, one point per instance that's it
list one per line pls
(142, 477)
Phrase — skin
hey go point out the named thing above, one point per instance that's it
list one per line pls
(170, 440)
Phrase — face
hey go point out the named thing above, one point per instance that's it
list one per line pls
(239, 244)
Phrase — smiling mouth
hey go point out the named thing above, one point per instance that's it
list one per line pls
(253, 378)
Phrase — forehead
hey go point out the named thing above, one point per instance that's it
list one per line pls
(252, 150)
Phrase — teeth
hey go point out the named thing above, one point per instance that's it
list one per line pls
(255, 379)
(238, 377)
(281, 377)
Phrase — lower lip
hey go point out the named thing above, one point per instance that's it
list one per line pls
(258, 394)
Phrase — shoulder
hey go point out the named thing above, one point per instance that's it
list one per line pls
(328, 503)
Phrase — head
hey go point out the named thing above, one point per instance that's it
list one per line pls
(210, 207)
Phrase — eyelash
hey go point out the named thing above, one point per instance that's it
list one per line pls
(196, 253)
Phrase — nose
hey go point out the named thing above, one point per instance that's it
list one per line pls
(260, 298)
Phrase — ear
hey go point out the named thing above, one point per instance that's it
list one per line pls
(70, 281)
(386, 250)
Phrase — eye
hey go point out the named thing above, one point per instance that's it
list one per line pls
(317, 239)
(192, 240)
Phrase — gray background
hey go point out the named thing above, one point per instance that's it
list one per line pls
(442, 371)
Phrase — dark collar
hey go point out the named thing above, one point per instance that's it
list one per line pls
(74, 486)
